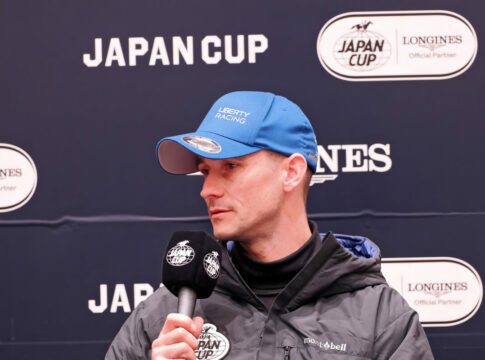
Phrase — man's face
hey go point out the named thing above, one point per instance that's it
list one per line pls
(243, 195)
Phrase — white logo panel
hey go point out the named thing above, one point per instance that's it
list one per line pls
(444, 291)
(18, 177)
(400, 45)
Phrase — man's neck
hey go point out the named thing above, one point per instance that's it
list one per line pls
(285, 238)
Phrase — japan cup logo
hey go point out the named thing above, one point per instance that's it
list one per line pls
(181, 254)
(362, 49)
(212, 344)
(211, 264)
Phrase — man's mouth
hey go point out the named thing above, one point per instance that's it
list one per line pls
(215, 213)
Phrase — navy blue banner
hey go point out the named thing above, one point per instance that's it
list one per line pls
(88, 89)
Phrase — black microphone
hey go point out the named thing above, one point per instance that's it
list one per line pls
(191, 267)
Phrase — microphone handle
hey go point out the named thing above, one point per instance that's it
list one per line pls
(186, 304)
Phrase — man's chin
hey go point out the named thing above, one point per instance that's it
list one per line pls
(222, 234)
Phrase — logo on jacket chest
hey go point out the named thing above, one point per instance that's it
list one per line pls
(326, 345)
(212, 344)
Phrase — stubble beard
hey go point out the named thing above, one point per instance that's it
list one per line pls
(246, 232)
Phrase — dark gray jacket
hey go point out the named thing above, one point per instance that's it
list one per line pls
(338, 306)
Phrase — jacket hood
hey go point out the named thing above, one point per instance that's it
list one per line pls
(344, 263)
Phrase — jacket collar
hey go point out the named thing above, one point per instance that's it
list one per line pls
(343, 264)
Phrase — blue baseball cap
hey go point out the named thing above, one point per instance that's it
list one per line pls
(241, 123)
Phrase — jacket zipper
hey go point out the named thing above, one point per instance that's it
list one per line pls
(287, 352)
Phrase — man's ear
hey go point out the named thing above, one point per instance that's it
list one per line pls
(295, 170)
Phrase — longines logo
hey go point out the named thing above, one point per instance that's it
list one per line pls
(351, 158)
(348, 158)
(176, 50)
(437, 289)
(444, 291)
(397, 45)
(18, 177)
(436, 46)
(432, 42)
(6, 173)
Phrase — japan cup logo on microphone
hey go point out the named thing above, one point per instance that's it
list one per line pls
(181, 254)
(211, 264)
(192, 261)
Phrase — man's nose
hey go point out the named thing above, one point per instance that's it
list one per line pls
(212, 187)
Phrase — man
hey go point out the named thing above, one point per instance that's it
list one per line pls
(284, 292)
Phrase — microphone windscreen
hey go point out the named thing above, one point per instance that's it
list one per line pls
(192, 259)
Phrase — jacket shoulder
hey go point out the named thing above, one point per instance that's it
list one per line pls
(399, 333)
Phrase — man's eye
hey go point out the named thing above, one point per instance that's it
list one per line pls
(204, 171)
(231, 165)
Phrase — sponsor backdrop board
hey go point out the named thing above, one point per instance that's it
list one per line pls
(394, 92)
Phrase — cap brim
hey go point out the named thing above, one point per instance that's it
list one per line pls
(178, 154)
